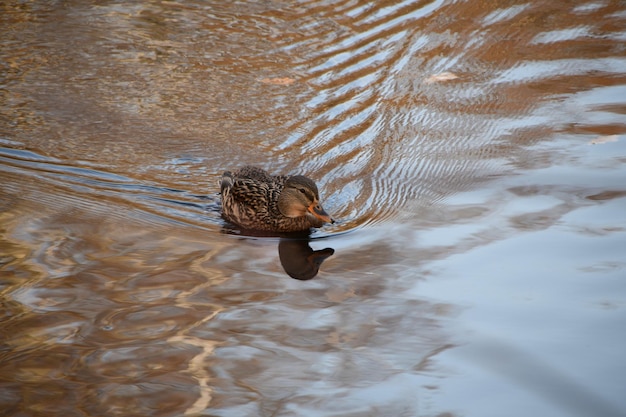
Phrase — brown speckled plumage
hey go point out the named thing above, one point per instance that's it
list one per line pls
(251, 199)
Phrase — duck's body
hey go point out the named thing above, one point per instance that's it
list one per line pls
(256, 200)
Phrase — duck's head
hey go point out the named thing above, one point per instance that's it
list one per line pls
(301, 198)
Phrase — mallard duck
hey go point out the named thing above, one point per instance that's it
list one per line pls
(256, 200)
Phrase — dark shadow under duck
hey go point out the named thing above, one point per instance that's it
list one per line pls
(255, 200)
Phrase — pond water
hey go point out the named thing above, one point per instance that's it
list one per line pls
(473, 153)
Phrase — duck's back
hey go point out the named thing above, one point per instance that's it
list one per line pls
(260, 175)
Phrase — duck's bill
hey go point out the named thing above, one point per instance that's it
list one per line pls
(320, 213)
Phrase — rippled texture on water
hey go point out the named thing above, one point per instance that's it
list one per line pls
(473, 152)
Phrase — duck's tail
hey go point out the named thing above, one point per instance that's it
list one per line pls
(226, 182)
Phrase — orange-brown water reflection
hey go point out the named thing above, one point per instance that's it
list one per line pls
(473, 153)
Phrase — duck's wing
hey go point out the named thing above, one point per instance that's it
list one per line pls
(251, 193)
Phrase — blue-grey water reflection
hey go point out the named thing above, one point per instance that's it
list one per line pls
(474, 154)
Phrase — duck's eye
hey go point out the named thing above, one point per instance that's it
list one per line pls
(302, 190)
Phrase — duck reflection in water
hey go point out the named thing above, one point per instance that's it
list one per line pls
(296, 256)
(299, 260)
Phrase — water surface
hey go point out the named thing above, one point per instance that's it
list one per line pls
(474, 154)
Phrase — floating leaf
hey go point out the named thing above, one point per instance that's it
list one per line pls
(444, 76)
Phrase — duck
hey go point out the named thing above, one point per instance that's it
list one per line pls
(255, 200)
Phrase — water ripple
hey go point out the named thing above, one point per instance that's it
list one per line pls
(385, 105)
(377, 124)
(92, 186)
